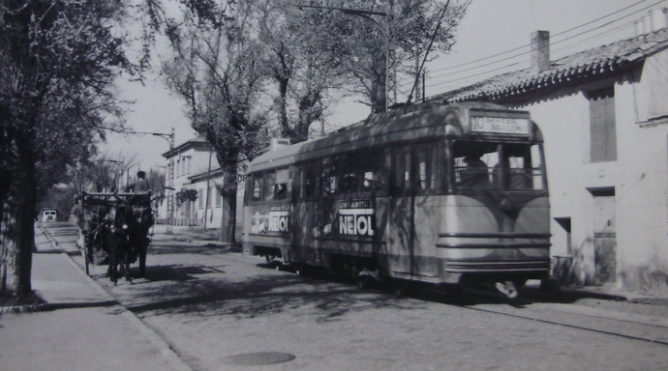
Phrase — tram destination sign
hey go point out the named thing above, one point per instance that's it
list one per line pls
(499, 125)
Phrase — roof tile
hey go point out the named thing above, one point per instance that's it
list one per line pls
(600, 60)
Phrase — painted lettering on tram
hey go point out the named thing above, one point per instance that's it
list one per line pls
(356, 218)
(277, 220)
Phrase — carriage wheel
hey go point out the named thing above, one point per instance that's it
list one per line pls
(85, 252)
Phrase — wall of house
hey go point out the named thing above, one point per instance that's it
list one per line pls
(639, 178)
(562, 118)
(643, 195)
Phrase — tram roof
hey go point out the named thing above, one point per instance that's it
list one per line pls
(409, 123)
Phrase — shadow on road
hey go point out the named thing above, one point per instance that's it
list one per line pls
(182, 248)
(174, 290)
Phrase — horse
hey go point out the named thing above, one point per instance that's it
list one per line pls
(128, 239)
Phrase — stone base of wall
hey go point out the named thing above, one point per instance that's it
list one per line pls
(646, 280)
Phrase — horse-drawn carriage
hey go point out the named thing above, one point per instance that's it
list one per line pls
(116, 225)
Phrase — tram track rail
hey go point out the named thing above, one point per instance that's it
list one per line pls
(613, 323)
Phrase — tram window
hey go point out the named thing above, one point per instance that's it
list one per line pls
(537, 168)
(269, 182)
(257, 186)
(473, 163)
(309, 183)
(374, 181)
(350, 183)
(402, 170)
(281, 186)
(329, 185)
(427, 156)
(510, 166)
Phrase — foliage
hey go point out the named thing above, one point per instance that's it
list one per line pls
(215, 68)
(60, 59)
(186, 194)
(363, 41)
(303, 58)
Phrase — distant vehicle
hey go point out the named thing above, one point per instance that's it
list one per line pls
(434, 194)
(49, 215)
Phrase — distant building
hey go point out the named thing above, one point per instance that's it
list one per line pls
(196, 167)
(604, 116)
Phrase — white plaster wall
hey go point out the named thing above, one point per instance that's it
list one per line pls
(643, 193)
(560, 121)
(639, 176)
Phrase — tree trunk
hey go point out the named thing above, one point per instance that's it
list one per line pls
(229, 209)
(283, 107)
(22, 235)
(378, 99)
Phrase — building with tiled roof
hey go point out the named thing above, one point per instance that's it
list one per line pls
(573, 70)
(604, 116)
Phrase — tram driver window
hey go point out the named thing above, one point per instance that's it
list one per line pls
(509, 166)
(474, 164)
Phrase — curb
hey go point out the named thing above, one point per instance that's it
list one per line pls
(165, 349)
(32, 308)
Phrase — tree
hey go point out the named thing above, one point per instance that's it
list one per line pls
(215, 68)
(416, 25)
(186, 194)
(303, 55)
(60, 59)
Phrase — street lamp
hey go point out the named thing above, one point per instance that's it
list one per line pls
(387, 32)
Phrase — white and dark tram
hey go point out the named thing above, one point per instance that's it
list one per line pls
(438, 194)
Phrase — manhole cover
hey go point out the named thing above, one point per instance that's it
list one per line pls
(258, 359)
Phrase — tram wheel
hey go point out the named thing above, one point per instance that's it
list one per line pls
(507, 288)
(400, 289)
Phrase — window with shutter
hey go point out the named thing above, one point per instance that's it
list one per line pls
(603, 137)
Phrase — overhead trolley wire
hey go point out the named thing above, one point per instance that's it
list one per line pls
(554, 43)
(554, 36)
(526, 60)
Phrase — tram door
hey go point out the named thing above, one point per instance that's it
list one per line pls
(402, 227)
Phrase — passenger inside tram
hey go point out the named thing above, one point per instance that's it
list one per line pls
(476, 173)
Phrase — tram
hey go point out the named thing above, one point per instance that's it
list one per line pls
(442, 194)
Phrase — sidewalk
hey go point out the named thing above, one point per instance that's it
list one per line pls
(81, 327)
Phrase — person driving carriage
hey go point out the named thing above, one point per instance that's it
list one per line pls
(140, 185)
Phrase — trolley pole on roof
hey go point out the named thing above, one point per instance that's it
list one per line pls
(387, 30)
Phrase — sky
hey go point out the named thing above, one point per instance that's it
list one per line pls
(493, 38)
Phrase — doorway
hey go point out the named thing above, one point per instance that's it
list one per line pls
(605, 235)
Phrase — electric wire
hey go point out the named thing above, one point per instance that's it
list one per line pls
(526, 60)
(556, 42)
(529, 51)
(554, 36)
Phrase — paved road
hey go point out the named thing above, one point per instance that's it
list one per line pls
(212, 306)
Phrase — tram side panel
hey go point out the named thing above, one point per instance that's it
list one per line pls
(269, 230)
(333, 231)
